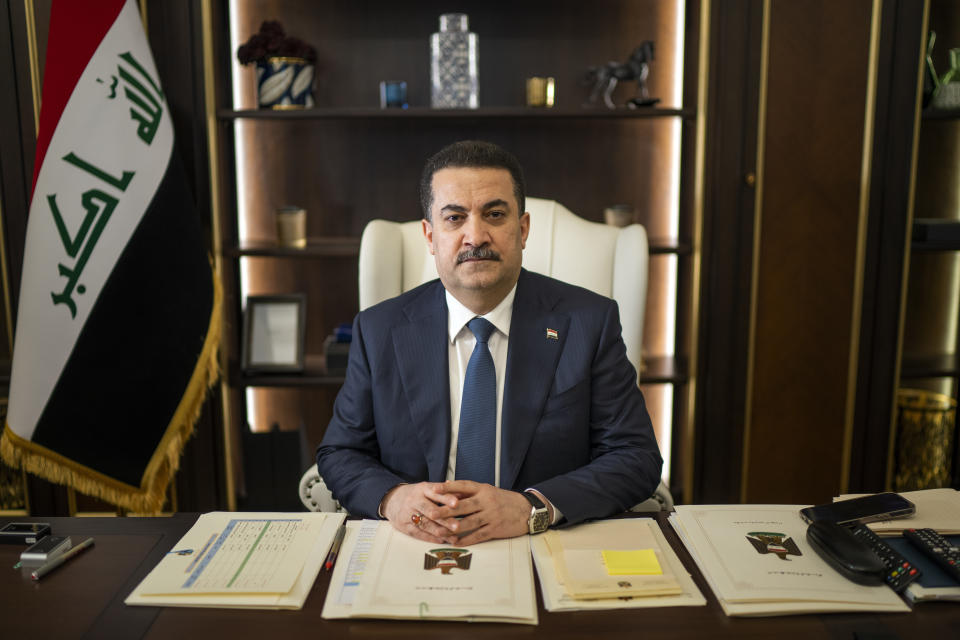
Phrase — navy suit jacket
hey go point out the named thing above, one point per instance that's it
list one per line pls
(574, 424)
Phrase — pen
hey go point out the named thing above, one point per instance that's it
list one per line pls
(59, 560)
(335, 547)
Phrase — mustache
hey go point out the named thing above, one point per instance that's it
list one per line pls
(478, 253)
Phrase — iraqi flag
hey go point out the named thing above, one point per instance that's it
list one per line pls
(119, 312)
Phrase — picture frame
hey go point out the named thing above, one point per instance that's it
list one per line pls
(274, 330)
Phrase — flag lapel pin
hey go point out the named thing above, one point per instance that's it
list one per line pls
(552, 334)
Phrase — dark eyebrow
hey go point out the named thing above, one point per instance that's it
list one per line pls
(457, 208)
(496, 203)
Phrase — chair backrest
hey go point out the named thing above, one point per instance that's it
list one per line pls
(608, 260)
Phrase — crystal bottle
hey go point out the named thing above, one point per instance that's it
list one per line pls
(453, 65)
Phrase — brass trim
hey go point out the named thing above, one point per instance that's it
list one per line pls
(757, 220)
(143, 16)
(703, 85)
(210, 111)
(33, 55)
(866, 164)
(907, 253)
(5, 278)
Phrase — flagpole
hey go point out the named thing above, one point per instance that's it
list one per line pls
(210, 110)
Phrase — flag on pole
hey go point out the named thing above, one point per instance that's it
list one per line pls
(118, 321)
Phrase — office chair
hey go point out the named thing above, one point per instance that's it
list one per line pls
(394, 258)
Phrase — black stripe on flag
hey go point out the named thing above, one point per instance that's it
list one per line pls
(134, 358)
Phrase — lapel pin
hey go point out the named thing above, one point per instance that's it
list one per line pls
(552, 334)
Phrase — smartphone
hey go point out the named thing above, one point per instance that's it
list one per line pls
(23, 532)
(45, 549)
(872, 508)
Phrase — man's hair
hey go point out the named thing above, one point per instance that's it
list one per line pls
(471, 154)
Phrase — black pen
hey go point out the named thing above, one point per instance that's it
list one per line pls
(335, 547)
(59, 560)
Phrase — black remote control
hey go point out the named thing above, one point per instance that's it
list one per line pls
(937, 548)
(900, 572)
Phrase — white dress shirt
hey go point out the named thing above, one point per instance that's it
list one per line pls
(460, 348)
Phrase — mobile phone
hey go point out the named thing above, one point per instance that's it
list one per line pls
(23, 532)
(45, 549)
(872, 508)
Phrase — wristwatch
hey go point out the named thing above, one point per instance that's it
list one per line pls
(539, 515)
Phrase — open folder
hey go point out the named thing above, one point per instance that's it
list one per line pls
(242, 560)
(383, 573)
(757, 561)
(631, 553)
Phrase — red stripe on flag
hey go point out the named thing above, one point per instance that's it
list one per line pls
(76, 30)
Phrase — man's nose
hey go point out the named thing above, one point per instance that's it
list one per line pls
(475, 232)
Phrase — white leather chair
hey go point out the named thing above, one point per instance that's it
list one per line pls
(608, 260)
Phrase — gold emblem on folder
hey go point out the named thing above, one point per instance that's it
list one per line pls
(777, 543)
(447, 559)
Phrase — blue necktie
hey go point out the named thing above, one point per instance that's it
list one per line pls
(478, 411)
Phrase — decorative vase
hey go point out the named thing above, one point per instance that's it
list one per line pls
(284, 83)
(454, 79)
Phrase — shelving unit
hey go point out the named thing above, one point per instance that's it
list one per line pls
(348, 162)
(931, 329)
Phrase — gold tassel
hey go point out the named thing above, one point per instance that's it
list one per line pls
(149, 496)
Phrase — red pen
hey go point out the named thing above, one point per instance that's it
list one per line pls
(335, 547)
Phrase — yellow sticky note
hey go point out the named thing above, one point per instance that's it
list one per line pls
(637, 562)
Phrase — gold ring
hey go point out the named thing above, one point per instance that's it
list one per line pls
(416, 519)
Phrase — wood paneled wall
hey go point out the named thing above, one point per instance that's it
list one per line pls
(807, 264)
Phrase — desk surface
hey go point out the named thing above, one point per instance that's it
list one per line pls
(85, 599)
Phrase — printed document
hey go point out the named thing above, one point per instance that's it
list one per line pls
(758, 562)
(637, 531)
(401, 577)
(257, 560)
(578, 555)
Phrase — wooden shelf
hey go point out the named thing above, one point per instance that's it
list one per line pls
(483, 113)
(658, 246)
(663, 370)
(314, 374)
(350, 247)
(943, 366)
(656, 370)
(316, 248)
(934, 234)
(940, 114)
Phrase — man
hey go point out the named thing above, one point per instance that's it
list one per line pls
(460, 430)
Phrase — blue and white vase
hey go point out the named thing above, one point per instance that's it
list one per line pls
(454, 80)
(284, 83)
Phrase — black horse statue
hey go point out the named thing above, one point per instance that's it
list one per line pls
(605, 79)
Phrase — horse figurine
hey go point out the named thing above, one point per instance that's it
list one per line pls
(605, 79)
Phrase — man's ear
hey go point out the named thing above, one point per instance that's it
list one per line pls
(524, 229)
(428, 234)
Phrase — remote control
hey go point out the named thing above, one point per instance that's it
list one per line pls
(937, 548)
(900, 572)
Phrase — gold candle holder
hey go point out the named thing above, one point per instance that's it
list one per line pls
(292, 227)
(540, 92)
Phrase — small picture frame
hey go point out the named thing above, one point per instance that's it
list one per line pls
(274, 328)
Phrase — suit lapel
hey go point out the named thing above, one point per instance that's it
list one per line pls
(420, 346)
(531, 367)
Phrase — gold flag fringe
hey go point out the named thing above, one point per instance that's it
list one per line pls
(150, 495)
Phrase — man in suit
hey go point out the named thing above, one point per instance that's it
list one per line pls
(459, 429)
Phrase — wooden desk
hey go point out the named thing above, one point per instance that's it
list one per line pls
(84, 598)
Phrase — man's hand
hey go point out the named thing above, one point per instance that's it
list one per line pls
(486, 512)
(423, 511)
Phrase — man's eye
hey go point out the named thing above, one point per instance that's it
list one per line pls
(496, 214)
(454, 217)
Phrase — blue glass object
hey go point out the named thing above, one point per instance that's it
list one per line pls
(393, 94)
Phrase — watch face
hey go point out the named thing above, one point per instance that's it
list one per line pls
(539, 522)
